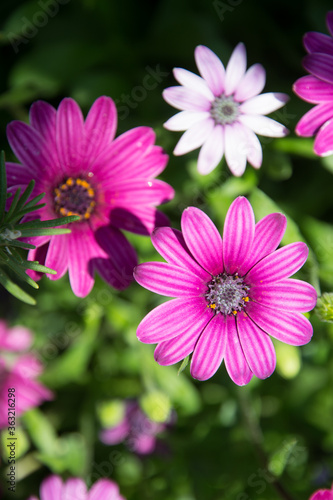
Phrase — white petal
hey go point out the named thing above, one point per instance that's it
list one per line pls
(264, 103)
(185, 120)
(193, 81)
(186, 99)
(235, 69)
(253, 148)
(235, 152)
(210, 68)
(263, 125)
(194, 137)
(212, 150)
(251, 84)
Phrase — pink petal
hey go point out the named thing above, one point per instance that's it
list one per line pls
(194, 82)
(235, 70)
(116, 434)
(212, 151)
(317, 42)
(235, 361)
(323, 144)
(314, 119)
(264, 104)
(185, 119)
(287, 295)
(171, 245)
(115, 258)
(14, 339)
(99, 127)
(138, 220)
(203, 239)
(321, 495)
(263, 125)
(210, 349)
(169, 280)
(257, 346)
(39, 255)
(70, 136)
(29, 147)
(57, 256)
(210, 68)
(279, 265)
(75, 489)
(79, 254)
(313, 90)
(238, 234)
(104, 489)
(289, 327)
(172, 318)
(51, 488)
(235, 148)
(17, 175)
(320, 65)
(186, 99)
(137, 192)
(268, 234)
(251, 84)
(173, 350)
(43, 119)
(194, 137)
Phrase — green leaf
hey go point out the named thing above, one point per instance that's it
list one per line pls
(48, 223)
(15, 290)
(35, 266)
(281, 457)
(25, 195)
(41, 431)
(3, 186)
(15, 267)
(183, 365)
(12, 207)
(43, 232)
(18, 244)
(293, 145)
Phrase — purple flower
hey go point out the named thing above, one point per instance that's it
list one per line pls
(317, 88)
(231, 293)
(109, 183)
(222, 111)
(136, 430)
(322, 495)
(18, 373)
(53, 488)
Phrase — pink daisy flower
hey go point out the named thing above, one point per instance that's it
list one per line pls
(317, 88)
(109, 183)
(222, 112)
(232, 293)
(322, 495)
(53, 488)
(19, 371)
(135, 429)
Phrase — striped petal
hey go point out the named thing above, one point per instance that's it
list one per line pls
(323, 144)
(186, 99)
(193, 81)
(318, 42)
(251, 84)
(70, 136)
(287, 295)
(235, 361)
(210, 68)
(99, 127)
(320, 65)
(313, 90)
(314, 119)
(51, 488)
(235, 69)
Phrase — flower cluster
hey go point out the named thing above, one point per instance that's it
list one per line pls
(322, 495)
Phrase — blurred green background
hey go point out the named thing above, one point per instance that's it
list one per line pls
(228, 442)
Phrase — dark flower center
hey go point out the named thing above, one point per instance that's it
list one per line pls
(227, 294)
(224, 110)
(74, 197)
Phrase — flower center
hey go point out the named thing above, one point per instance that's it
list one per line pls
(224, 110)
(74, 197)
(227, 294)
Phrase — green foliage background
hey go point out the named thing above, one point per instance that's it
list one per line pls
(228, 441)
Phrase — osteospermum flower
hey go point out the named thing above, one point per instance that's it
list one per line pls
(317, 88)
(109, 183)
(322, 495)
(232, 293)
(222, 111)
(19, 371)
(53, 488)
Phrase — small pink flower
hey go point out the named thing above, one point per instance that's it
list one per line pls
(317, 88)
(231, 293)
(136, 430)
(109, 183)
(222, 111)
(322, 495)
(19, 371)
(53, 488)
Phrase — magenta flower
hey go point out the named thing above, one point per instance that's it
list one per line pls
(232, 293)
(317, 88)
(19, 371)
(109, 183)
(222, 111)
(322, 495)
(53, 488)
(136, 430)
